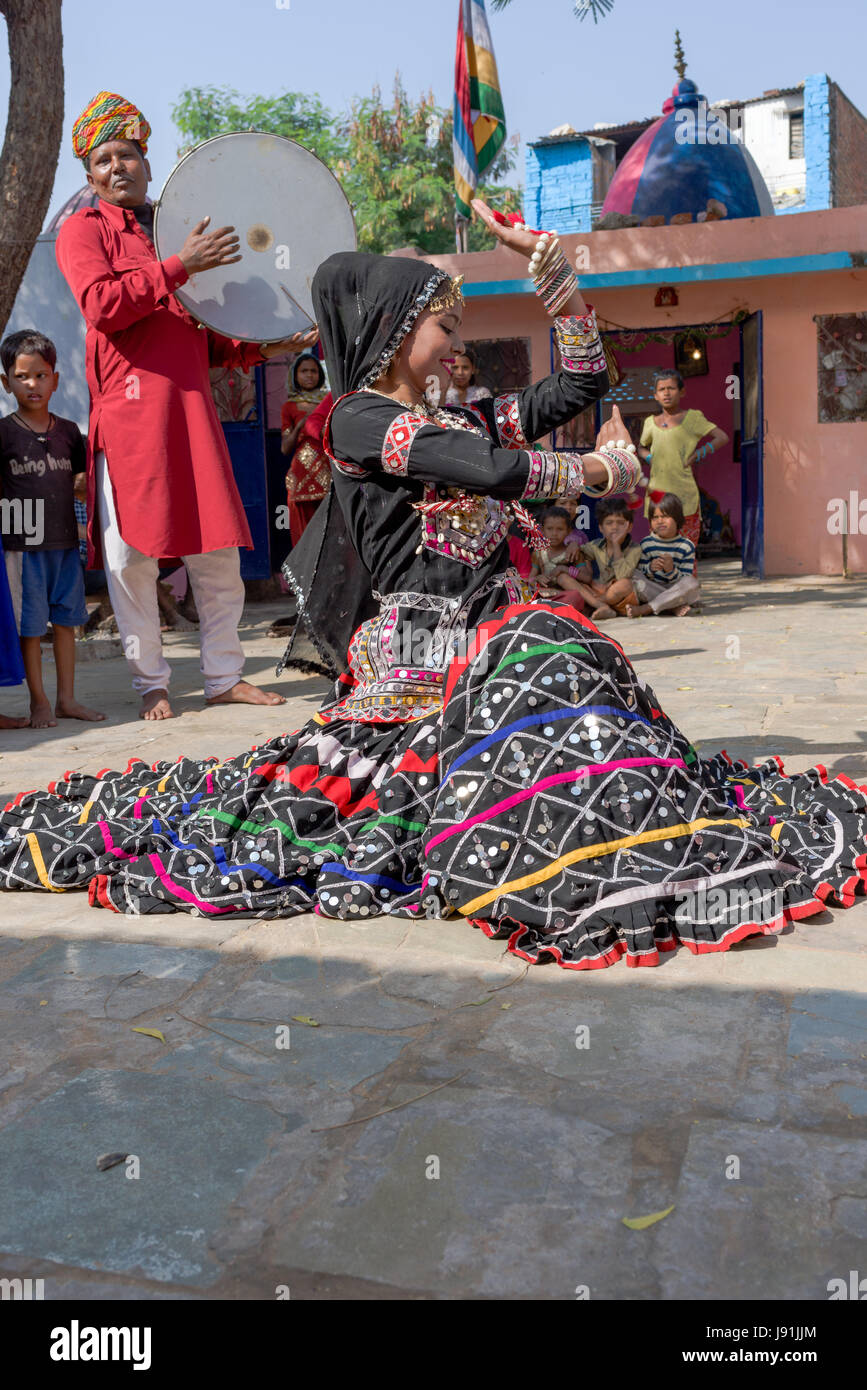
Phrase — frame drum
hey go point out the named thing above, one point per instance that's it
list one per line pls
(290, 213)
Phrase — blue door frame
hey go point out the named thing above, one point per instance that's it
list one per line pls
(246, 443)
(752, 447)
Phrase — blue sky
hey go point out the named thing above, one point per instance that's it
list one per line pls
(553, 67)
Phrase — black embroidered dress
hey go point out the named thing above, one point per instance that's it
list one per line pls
(482, 754)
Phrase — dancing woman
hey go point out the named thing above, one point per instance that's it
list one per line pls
(482, 754)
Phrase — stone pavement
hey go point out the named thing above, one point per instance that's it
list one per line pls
(511, 1180)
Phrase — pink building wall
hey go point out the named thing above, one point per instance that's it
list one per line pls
(806, 464)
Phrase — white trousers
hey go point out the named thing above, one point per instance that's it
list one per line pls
(662, 597)
(132, 587)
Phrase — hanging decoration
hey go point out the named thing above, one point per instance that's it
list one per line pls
(636, 340)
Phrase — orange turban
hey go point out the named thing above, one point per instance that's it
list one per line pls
(108, 117)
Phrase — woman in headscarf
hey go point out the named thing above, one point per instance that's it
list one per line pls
(302, 419)
(482, 754)
(306, 391)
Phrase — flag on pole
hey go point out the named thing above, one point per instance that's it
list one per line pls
(479, 118)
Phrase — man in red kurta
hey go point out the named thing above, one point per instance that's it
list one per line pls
(160, 480)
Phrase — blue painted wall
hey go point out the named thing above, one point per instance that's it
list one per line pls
(559, 186)
(817, 141)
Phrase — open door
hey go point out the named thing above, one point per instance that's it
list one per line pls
(752, 447)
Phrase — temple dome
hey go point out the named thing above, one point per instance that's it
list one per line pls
(84, 198)
(687, 157)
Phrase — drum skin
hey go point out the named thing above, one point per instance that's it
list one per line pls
(290, 214)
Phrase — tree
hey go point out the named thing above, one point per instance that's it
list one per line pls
(581, 8)
(394, 161)
(34, 128)
(399, 175)
(205, 111)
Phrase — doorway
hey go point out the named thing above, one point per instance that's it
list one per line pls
(726, 387)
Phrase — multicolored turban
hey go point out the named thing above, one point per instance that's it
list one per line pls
(108, 117)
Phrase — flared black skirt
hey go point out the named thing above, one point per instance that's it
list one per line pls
(552, 804)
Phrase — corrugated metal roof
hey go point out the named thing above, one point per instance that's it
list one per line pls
(642, 124)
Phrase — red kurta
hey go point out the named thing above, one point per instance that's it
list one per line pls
(151, 408)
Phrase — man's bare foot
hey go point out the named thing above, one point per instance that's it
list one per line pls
(71, 709)
(243, 693)
(603, 612)
(683, 610)
(7, 722)
(42, 717)
(155, 705)
(638, 610)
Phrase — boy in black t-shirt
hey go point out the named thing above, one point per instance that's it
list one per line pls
(39, 454)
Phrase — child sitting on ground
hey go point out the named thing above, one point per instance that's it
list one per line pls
(552, 569)
(575, 536)
(615, 560)
(39, 455)
(664, 577)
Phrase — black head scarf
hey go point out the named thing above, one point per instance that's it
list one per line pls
(365, 306)
(306, 356)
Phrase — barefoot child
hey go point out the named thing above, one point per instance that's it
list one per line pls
(664, 577)
(615, 560)
(39, 455)
(556, 576)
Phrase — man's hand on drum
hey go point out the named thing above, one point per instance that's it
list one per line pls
(203, 250)
(299, 342)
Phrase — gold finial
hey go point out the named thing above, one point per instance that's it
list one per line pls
(679, 60)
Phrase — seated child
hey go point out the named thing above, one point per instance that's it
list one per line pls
(39, 455)
(615, 560)
(664, 577)
(574, 537)
(552, 569)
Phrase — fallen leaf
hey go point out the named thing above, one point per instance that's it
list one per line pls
(641, 1223)
(686, 687)
(725, 706)
(302, 1018)
(505, 1006)
(42, 1002)
(150, 1033)
(106, 1161)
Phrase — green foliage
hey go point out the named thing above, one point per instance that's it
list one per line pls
(394, 160)
(205, 111)
(400, 175)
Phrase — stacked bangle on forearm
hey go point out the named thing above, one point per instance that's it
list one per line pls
(579, 344)
(622, 466)
(553, 276)
(704, 451)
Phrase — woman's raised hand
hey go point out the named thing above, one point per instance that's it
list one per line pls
(612, 430)
(519, 238)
